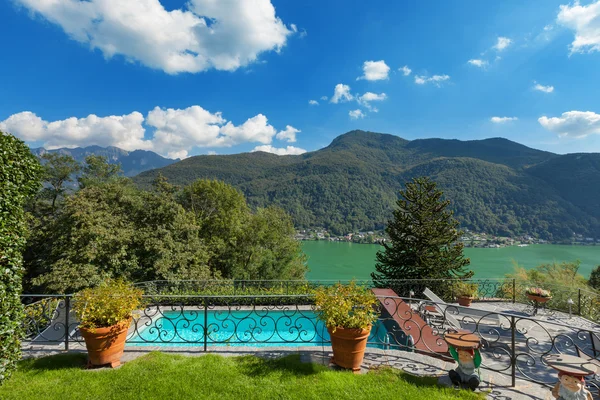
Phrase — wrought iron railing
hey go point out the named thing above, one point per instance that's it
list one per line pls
(512, 343)
(585, 302)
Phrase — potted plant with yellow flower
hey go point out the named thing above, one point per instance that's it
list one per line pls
(348, 312)
(105, 313)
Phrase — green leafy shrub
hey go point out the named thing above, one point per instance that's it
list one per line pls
(346, 306)
(466, 289)
(19, 179)
(594, 281)
(562, 280)
(111, 303)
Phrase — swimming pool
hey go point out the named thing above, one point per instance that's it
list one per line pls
(255, 328)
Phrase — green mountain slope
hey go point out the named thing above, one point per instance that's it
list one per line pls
(495, 185)
(576, 177)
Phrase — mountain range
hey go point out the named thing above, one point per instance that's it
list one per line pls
(132, 162)
(494, 185)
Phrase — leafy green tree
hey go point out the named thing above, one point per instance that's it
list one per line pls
(267, 249)
(243, 245)
(98, 170)
(19, 179)
(59, 170)
(114, 230)
(424, 239)
(221, 213)
(111, 229)
(595, 278)
(161, 184)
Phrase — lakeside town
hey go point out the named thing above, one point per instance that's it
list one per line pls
(469, 238)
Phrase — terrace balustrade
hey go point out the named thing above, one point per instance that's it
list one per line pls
(176, 314)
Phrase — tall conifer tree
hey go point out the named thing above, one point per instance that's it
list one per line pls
(424, 242)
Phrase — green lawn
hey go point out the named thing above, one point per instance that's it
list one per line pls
(164, 376)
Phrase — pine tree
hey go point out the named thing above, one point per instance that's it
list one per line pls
(424, 243)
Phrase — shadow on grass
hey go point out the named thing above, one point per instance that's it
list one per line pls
(288, 365)
(419, 381)
(58, 361)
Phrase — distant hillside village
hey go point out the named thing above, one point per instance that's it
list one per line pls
(470, 239)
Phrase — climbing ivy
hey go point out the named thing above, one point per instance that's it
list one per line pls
(19, 179)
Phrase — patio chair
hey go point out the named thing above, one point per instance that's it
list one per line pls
(477, 315)
(430, 314)
(55, 333)
(441, 306)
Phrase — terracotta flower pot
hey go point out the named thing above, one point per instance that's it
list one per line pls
(464, 301)
(349, 346)
(106, 345)
(539, 299)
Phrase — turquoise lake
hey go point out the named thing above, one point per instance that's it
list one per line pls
(342, 260)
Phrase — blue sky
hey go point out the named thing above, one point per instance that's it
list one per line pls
(186, 78)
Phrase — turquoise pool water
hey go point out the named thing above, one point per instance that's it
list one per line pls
(256, 328)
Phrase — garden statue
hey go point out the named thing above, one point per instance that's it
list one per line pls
(570, 387)
(571, 373)
(464, 349)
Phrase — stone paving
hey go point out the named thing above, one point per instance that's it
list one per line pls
(544, 315)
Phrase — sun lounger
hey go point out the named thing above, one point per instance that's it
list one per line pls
(472, 314)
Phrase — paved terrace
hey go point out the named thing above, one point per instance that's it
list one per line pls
(534, 336)
(543, 315)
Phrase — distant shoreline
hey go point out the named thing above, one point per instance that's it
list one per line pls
(466, 246)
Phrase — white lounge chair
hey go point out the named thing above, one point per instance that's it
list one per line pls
(54, 334)
(479, 316)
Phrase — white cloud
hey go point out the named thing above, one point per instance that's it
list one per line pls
(182, 129)
(212, 153)
(124, 131)
(585, 22)
(313, 102)
(368, 97)
(289, 134)
(435, 79)
(170, 132)
(542, 88)
(26, 125)
(375, 71)
(478, 63)
(324, 98)
(548, 28)
(289, 150)
(255, 129)
(576, 124)
(405, 70)
(502, 120)
(502, 43)
(341, 93)
(205, 34)
(356, 114)
(302, 32)
(181, 154)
